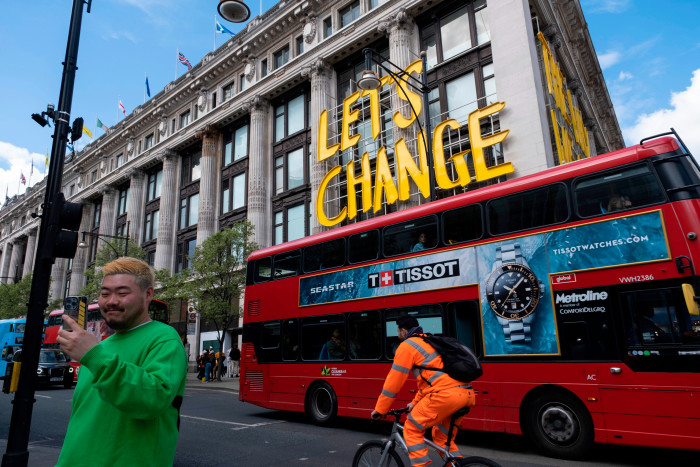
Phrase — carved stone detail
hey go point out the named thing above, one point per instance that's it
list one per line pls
(310, 29)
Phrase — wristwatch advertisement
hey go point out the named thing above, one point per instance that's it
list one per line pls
(517, 311)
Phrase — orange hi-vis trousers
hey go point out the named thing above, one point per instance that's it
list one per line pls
(434, 410)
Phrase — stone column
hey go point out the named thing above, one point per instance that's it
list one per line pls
(108, 219)
(259, 175)
(17, 251)
(320, 74)
(206, 216)
(58, 276)
(165, 244)
(29, 256)
(401, 28)
(137, 204)
(82, 254)
(6, 255)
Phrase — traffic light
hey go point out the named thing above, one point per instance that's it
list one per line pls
(62, 230)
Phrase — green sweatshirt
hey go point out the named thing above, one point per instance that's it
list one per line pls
(122, 406)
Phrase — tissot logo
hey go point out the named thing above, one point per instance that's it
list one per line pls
(423, 273)
(580, 297)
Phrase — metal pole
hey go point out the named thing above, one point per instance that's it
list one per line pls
(428, 130)
(18, 439)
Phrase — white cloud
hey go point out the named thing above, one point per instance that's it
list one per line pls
(15, 162)
(624, 76)
(683, 116)
(606, 6)
(608, 59)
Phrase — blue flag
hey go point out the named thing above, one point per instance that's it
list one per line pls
(148, 89)
(69, 147)
(221, 29)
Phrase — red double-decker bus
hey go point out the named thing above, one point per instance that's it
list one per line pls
(575, 286)
(96, 324)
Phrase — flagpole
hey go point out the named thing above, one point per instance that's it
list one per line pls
(144, 87)
(214, 32)
(177, 55)
(119, 99)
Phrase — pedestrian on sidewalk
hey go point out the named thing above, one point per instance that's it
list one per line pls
(235, 356)
(131, 385)
(209, 356)
(220, 365)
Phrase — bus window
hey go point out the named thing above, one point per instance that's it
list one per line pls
(429, 318)
(55, 320)
(286, 264)
(364, 330)
(323, 338)
(617, 190)
(528, 210)
(363, 247)
(462, 224)
(158, 311)
(465, 319)
(290, 339)
(324, 255)
(270, 341)
(658, 317)
(263, 269)
(415, 235)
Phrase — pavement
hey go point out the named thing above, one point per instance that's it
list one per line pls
(41, 455)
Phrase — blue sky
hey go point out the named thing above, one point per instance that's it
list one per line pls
(649, 52)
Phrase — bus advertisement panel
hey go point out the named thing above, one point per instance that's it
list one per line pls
(573, 296)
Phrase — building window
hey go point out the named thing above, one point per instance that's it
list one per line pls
(372, 4)
(191, 169)
(290, 117)
(120, 160)
(155, 181)
(71, 190)
(236, 148)
(281, 57)
(233, 193)
(151, 226)
(290, 223)
(93, 176)
(189, 208)
(263, 68)
(241, 82)
(185, 252)
(184, 119)
(289, 171)
(148, 142)
(349, 14)
(229, 91)
(98, 215)
(123, 201)
(299, 45)
(489, 84)
(213, 100)
(327, 27)
(172, 126)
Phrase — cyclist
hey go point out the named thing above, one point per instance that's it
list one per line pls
(438, 396)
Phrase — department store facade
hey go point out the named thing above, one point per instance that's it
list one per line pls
(238, 136)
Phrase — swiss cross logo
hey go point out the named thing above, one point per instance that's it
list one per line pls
(386, 278)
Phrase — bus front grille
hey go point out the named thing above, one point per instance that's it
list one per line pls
(254, 380)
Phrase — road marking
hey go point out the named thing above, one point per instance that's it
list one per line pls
(240, 426)
(41, 395)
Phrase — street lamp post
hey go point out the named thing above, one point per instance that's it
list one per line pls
(57, 238)
(370, 81)
(83, 244)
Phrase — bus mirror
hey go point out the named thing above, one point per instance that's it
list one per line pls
(691, 301)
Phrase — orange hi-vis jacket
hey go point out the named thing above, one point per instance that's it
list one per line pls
(414, 352)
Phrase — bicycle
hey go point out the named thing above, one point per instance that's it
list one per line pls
(376, 453)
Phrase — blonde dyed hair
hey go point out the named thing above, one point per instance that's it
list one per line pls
(141, 271)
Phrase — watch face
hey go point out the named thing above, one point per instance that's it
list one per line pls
(513, 291)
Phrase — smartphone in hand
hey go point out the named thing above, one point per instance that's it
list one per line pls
(76, 308)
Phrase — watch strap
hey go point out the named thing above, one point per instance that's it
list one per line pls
(517, 330)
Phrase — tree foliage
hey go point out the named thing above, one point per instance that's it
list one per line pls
(109, 250)
(214, 282)
(14, 298)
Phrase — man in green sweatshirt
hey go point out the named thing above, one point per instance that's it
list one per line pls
(126, 404)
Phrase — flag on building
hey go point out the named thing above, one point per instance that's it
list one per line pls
(222, 29)
(99, 124)
(47, 158)
(148, 89)
(87, 131)
(121, 106)
(182, 59)
(22, 179)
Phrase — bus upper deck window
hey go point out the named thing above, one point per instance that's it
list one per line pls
(462, 224)
(263, 269)
(528, 210)
(415, 235)
(324, 255)
(363, 246)
(287, 264)
(617, 190)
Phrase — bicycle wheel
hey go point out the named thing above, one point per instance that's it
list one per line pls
(476, 461)
(370, 453)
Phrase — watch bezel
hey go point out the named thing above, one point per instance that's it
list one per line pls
(537, 291)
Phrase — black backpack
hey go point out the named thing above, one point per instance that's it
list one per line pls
(458, 360)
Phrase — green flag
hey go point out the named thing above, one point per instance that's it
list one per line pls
(102, 125)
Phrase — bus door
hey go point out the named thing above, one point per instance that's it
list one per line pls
(655, 392)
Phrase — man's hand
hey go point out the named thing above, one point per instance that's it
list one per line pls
(77, 341)
(376, 415)
(410, 406)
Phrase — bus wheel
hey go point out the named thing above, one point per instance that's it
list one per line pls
(321, 403)
(559, 425)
